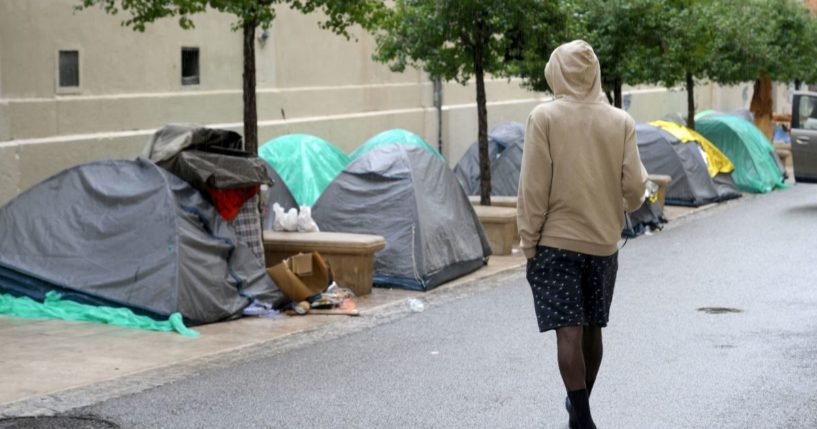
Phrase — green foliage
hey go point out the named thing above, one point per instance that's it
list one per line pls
(340, 14)
(689, 34)
(443, 37)
(778, 37)
(628, 36)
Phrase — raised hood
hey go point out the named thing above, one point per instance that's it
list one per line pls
(573, 72)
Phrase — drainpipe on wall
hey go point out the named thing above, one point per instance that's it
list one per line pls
(438, 103)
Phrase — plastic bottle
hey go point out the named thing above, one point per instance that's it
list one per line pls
(415, 305)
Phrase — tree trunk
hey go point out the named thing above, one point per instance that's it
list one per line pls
(617, 93)
(482, 119)
(438, 104)
(250, 108)
(690, 101)
(761, 105)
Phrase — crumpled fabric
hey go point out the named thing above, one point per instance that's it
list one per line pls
(54, 307)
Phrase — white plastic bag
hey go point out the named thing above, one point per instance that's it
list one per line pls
(278, 217)
(290, 220)
(305, 221)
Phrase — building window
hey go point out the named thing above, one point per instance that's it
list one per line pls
(190, 66)
(69, 69)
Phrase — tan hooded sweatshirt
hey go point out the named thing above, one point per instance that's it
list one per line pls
(580, 167)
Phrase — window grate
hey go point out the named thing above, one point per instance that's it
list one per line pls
(190, 66)
(69, 69)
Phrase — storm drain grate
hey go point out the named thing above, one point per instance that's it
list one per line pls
(56, 422)
(720, 310)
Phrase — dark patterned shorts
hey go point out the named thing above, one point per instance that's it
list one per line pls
(571, 288)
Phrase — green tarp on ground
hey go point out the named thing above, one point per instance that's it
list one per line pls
(749, 150)
(306, 164)
(54, 307)
(391, 137)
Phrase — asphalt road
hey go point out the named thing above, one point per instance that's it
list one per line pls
(479, 362)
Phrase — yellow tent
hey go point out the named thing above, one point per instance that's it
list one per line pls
(717, 162)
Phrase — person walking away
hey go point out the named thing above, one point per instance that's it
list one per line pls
(580, 173)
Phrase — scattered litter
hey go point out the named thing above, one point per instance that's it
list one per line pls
(335, 301)
(261, 309)
(302, 308)
(415, 305)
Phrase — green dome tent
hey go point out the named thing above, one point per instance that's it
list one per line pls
(397, 136)
(742, 142)
(306, 164)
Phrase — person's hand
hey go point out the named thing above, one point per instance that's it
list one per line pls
(651, 191)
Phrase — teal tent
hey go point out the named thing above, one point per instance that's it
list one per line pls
(745, 145)
(306, 164)
(395, 136)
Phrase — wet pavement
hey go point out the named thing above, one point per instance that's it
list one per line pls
(714, 325)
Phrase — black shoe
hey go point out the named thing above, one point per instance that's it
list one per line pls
(572, 423)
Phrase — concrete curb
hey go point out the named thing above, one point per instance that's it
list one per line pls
(76, 398)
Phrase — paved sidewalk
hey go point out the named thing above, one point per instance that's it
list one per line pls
(53, 366)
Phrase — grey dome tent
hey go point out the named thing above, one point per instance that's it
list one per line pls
(505, 144)
(128, 234)
(691, 185)
(409, 196)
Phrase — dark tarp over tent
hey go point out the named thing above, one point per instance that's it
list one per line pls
(691, 185)
(409, 196)
(756, 167)
(505, 144)
(128, 234)
(211, 161)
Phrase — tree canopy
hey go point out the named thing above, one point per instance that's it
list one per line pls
(340, 14)
(460, 39)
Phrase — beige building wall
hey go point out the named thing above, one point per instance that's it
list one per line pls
(309, 81)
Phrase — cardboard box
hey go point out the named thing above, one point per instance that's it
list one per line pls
(301, 264)
(300, 287)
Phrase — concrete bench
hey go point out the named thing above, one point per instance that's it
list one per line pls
(351, 256)
(499, 224)
(662, 181)
(500, 201)
(496, 201)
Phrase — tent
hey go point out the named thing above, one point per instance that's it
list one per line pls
(395, 136)
(756, 168)
(212, 161)
(700, 173)
(410, 197)
(505, 144)
(128, 234)
(306, 164)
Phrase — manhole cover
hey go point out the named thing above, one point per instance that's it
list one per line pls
(720, 310)
(55, 422)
